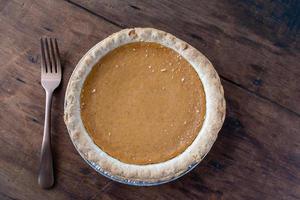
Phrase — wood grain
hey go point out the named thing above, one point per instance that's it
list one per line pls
(252, 43)
(256, 156)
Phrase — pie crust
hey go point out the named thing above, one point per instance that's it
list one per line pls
(150, 173)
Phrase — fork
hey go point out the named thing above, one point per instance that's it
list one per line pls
(50, 79)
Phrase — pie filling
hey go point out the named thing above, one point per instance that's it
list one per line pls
(143, 103)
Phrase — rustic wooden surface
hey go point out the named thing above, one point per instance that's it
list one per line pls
(254, 45)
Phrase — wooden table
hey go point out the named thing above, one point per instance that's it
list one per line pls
(253, 44)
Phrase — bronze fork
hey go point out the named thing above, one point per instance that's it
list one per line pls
(50, 79)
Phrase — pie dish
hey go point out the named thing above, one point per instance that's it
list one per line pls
(143, 107)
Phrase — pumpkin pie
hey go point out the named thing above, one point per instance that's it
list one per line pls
(144, 105)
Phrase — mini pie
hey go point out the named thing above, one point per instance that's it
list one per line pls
(144, 105)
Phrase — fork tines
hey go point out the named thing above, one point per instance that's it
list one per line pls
(50, 62)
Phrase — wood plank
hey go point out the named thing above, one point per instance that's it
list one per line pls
(255, 157)
(252, 43)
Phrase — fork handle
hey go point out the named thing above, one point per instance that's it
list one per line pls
(46, 177)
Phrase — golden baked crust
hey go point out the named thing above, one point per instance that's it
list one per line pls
(215, 109)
